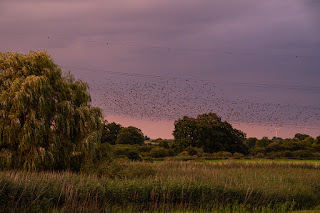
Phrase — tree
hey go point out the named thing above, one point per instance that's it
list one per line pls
(130, 135)
(264, 142)
(207, 131)
(46, 120)
(300, 136)
(250, 142)
(110, 132)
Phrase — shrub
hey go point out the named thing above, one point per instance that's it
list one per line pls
(272, 155)
(191, 151)
(259, 155)
(301, 154)
(159, 152)
(163, 143)
(128, 150)
(237, 155)
(124, 169)
(287, 154)
(222, 155)
(259, 150)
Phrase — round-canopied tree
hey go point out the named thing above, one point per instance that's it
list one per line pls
(110, 132)
(46, 120)
(207, 131)
(130, 135)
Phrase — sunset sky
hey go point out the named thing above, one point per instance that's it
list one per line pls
(150, 62)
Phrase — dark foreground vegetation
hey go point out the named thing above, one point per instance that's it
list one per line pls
(167, 186)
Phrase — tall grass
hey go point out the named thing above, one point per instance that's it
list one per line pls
(166, 186)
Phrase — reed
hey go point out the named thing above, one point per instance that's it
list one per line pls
(168, 186)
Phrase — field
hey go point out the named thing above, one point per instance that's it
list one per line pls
(168, 186)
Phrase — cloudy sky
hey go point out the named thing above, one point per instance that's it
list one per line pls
(255, 63)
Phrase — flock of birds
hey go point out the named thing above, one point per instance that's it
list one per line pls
(159, 99)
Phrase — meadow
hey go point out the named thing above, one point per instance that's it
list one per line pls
(168, 186)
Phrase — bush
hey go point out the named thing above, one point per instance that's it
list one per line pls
(144, 148)
(222, 155)
(301, 154)
(191, 151)
(259, 150)
(237, 155)
(288, 154)
(273, 155)
(260, 155)
(127, 150)
(159, 152)
(163, 143)
(125, 169)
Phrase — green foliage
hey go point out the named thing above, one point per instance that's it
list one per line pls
(208, 132)
(237, 155)
(308, 141)
(163, 143)
(191, 151)
(250, 142)
(130, 151)
(222, 155)
(123, 169)
(159, 152)
(260, 155)
(264, 142)
(300, 136)
(110, 132)
(46, 120)
(130, 135)
(287, 154)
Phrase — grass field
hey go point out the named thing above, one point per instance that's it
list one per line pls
(263, 160)
(168, 186)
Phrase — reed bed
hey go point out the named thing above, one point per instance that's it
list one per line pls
(169, 186)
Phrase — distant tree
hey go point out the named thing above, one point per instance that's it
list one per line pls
(274, 147)
(250, 142)
(318, 140)
(308, 141)
(207, 131)
(163, 143)
(130, 135)
(277, 139)
(110, 132)
(46, 120)
(264, 142)
(300, 136)
(146, 138)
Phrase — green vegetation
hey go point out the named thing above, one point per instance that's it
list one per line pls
(57, 155)
(166, 186)
(302, 146)
(130, 135)
(46, 120)
(207, 131)
(110, 132)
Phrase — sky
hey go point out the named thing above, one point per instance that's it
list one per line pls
(254, 63)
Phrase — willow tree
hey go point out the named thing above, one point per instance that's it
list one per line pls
(46, 120)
